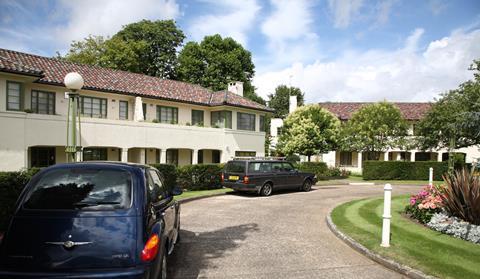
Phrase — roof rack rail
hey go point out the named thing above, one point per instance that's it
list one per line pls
(260, 158)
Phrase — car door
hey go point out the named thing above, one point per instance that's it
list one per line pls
(279, 176)
(162, 202)
(292, 178)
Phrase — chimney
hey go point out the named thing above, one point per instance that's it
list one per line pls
(292, 104)
(236, 87)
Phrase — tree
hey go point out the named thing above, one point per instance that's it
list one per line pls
(373, 129)
(148, 47)
(216, 61)
(454, 120)
(279, 101)
(308, 131)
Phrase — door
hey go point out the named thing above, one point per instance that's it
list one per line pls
(162, 202)
(279, 176)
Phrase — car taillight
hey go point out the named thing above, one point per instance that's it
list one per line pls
(222, 177)
(150, 250)
(246, 180)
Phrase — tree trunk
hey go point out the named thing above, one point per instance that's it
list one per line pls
(309, 157)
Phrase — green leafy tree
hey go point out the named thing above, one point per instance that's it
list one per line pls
(216, 61)
(310, 130)
(279, 100)
(373, 129)
(148, 47)
(454, 120)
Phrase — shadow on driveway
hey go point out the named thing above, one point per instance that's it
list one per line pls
(196, 250)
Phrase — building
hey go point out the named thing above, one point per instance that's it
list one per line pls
(412, 113)
(180, 123)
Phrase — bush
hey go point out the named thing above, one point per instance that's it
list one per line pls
(401, 170)
(169, 172)
(200, 177)
(425, 204)
(11, 185)
(462, 196)
(293, 158)
(318, 168)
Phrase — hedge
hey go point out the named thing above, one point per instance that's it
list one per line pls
(199, 177)
(169, 173)
(11, 185)
(402, 170)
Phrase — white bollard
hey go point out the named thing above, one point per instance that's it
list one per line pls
(387, 204)
(430, 177)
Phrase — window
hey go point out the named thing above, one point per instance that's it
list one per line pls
(259, 167)
(245, 153)
(345, 158)
(94, 154)
(93, 107)
(167, 115)
(144, 110)
(197, 117)
(221, 119)
(215, 156)
(262, 123)
(14, 95)
(42, 157)
(81, 188)
(287, 167)
(123, 110)
(43, 102)
(235, 166)
(245, 121)
(276, 167)
(156, 191)
(172, 157)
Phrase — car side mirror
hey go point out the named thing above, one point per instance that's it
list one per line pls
(177, 191)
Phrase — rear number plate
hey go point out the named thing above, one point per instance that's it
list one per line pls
(233, 177)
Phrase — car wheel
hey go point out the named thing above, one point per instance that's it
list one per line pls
(307, 186)
(266, 190)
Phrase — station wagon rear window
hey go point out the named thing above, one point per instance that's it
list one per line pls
(235, 166)
(81, 189)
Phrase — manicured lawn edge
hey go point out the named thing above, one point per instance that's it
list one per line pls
(388, 263)
(203, 194)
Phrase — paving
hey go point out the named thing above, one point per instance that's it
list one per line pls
(281, 236)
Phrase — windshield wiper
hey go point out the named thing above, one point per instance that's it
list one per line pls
(87, 204)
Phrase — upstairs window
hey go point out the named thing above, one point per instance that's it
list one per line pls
(262, 123)
(14, 95)
(197, 117)
(93, 107)
(167, 114)
(221, 119)
(123, 110)
(43, 102)
(245, 121)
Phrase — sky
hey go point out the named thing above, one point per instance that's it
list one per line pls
(333, 50)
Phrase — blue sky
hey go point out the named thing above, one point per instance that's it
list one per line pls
(334, 50)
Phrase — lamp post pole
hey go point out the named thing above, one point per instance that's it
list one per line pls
(74, 82)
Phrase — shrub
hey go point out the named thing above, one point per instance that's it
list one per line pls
(293, 158)
(462, 195)
(200, 177)
(401, 170)
(425, 204)
(169, 172)
(11, 185)
(318, 168)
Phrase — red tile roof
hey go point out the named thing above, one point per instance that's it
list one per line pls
(410, 111)
(52, 71)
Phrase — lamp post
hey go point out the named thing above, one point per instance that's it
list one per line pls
(74, 82)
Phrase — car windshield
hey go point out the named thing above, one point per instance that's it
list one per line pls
(81, 189)
(235, 166)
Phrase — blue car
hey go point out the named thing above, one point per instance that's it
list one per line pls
(92, 220)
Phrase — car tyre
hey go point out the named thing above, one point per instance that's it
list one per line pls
(307, 186)
(266, 190)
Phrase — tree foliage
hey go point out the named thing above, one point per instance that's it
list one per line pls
(279, 100)
(374, 128)
(148, 47)
(308, 131)
(216, 61)
(455, 117)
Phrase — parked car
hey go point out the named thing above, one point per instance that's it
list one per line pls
(265, 176)
(92, 220)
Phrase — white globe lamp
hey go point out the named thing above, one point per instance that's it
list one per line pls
(73, 81)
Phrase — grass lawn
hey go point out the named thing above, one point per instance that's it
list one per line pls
(191, 194)
(411, 243)
(404, 182)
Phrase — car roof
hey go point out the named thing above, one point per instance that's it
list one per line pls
(260, 161)
(101, 163)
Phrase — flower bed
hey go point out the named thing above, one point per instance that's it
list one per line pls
(455, 227)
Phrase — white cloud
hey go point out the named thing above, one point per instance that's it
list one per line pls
(288, 30)
(233, 19)
(437, 6)
(343, 11)
(384, 10)
(405, 74)
(106, 17)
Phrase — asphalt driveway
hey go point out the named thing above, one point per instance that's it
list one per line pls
(282, 236)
